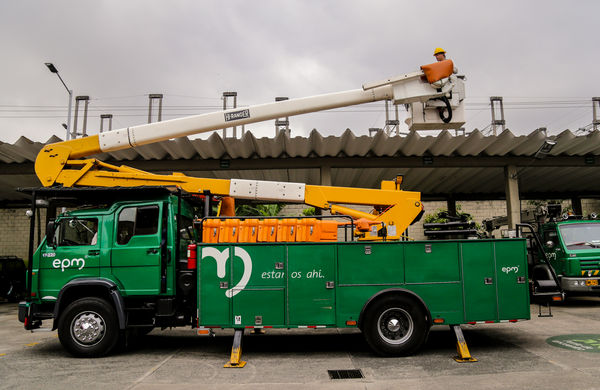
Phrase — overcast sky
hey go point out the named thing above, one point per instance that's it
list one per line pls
(541, 56)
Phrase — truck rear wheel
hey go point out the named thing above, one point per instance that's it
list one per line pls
(88, 327)
(395, 326)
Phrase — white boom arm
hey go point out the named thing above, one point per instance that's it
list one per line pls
(407, 88)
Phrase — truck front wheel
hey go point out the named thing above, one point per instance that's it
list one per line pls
(395, 326)
(88, 327)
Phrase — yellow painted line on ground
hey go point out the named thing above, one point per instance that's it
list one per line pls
(31, 344)
(2, 354)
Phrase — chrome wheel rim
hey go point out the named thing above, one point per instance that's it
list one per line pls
(87, 328)
(395, 326)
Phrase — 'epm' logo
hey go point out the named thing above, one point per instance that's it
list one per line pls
(232, 116)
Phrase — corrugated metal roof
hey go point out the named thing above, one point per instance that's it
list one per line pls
(429, 180)
(348, 144)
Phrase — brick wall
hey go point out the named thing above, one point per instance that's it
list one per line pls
(14, 232)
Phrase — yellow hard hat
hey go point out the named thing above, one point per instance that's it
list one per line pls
(439, 50)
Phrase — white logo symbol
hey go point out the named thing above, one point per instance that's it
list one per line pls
(68, 263)
(221, 259)
(508, 270)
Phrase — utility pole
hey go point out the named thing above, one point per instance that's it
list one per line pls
(78, 99)
(102, 118)
(225, 96)
(282, 124)
(595, 109)
(151, 98)
(391, 124)
(501, 121)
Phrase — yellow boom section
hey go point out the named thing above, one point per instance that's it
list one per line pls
(53, 166)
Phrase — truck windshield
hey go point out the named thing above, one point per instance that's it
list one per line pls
(76, 231)
(581, 235)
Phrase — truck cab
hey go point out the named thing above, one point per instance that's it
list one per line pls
(573, 248)
(127, 247)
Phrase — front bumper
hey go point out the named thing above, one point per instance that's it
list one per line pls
(589, 285)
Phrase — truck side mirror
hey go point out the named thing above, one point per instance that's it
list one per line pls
(550, 244)
(50, 229)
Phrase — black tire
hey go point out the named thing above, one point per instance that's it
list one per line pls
(395, 325)
(88, 328)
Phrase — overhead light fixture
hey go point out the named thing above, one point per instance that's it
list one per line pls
(545, 149)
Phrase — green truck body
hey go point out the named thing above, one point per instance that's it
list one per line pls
(103, 272)
(573, 249)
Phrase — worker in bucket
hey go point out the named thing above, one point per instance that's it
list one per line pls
(440, 55)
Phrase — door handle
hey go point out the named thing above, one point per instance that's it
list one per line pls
(94, 252)
(152, 251)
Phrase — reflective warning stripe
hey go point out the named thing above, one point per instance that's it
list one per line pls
(490, 322)
(590, 272)
(258, 327)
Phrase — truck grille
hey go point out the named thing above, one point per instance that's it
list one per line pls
(589, 264)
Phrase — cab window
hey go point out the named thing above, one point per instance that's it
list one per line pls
(136, 221)
(76, 232)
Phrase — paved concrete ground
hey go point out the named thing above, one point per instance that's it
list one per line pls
(510, 356)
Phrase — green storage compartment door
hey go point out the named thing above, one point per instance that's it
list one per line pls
(258, 308)
(213, 304)
(511, 271)
(479, 284)
(310, 300)
(259, 278)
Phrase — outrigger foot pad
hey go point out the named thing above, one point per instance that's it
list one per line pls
(235, 361)
(464, 356)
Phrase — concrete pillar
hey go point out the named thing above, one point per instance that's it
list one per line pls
(576, 206)
(451, 205)
(513, 202)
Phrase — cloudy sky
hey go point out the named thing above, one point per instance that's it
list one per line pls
(541, 56)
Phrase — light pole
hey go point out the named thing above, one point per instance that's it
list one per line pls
(53, 69)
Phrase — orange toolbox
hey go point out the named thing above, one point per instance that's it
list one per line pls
(248, 230)
(229, 230)
(286, 229)
(210, 230)
(267, 230)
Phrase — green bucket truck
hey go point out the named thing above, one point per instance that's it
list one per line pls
(138, 251)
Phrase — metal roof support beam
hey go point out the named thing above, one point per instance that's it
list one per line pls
(325, 172)
(513, 202)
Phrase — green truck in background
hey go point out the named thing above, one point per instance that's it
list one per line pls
(562, 247)
(572, 246)
(125, 261)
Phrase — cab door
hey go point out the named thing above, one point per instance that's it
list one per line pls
(72, 252)
(138, 249)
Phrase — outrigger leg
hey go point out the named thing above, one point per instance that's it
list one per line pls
(461, 346)
(235, 361)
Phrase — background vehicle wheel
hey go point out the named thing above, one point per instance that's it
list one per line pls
(395, 326)
(88, 327)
